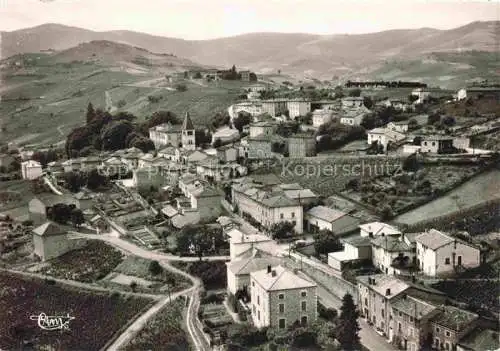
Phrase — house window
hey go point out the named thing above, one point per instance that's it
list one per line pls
(282, 308)
(399, 326)
(447, 333)
(282, 323)
(366, 301)
(281, 296)
(253, 284)
(258, 300)
(258, 315)
(433, 143)
(303, 294)
(293, 214)
(437, 331)
(411, 319)
(303, 320)
(383, 313)
(304, 306)
(447, 260)
(401, 314)
(253, 308)
(282, 215)
(447, 346)
(459, 260)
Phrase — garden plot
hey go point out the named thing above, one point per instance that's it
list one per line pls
(123, 279)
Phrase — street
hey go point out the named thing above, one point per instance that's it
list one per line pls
(369, 337)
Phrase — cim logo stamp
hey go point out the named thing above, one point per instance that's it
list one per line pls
(52, 322)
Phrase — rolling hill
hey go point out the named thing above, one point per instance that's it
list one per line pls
(321, 56)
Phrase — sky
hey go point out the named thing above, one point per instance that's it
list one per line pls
(207, 19)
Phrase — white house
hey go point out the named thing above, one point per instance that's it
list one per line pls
(438, 253)
(338, 222)
(321, 116)
(378, 228)
(391, 253)
(384, 136)
(267, 207)
(226, 135)
(238, 271)
(352, 102)
(422, 94)
(31, 169)
(356, 248)
(281, 298)
(298, 107)
(240, 242)
(401, 127)
(352, 119)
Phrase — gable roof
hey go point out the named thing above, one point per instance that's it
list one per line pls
(454, 318)
(258, 261)
(378, 228)
(384, 282)
(434, 239)
(391, 243)
(283, 279)
(412, 306)
(325, 213)
(48, 229)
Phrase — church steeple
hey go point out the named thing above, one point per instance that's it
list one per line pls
(188, 139)
(188, 124)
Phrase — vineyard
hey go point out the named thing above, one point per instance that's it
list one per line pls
(164, 332)
(331, 175)
(98, 316)
(87, 265)
(478, 294)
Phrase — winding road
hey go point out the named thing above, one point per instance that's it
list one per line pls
(193, 325)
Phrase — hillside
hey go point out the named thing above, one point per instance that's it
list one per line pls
(45, 95)
(321, 56)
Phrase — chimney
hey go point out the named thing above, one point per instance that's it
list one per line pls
(268, 269)
(273, 273)
(387, 292)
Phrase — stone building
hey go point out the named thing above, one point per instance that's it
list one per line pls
(302, 145)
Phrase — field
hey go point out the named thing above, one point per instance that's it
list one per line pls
(328, 176)
(449, 70)
(139, 267)
(479, 294)
(98, 316)
(401, 192)
(15, 193)
(88, 265)
(165, 332)
(484, 187)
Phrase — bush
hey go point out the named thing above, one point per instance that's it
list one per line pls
(181, 87)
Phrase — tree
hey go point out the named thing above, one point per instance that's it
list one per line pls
(133, 286)
(114, 135)
(433, 118)
(325, 241)
(348, 327)
(181, 87)
(282, 230)
(217, 143)
(417, 141)
(449, 121)
(77, 217)
(96, 180)
(155, 268)
(412, 98)
(74, 181)
(386, 213)
(90, 113)
(60, 213)
(412, 124)
(243, 119)
(411, 164)
(368, 102)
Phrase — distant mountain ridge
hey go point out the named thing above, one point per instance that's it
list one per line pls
(296, 53)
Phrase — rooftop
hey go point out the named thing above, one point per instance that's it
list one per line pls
(412, 306)
(384, 283)
(300, 194)
(359, 241)
(238, 237)
(325, 213)
(49, 229)
(281, 279)
(434, 239)
(481, 339)
(454, 318)
(258, 261)
(391, 243)
(379, 228)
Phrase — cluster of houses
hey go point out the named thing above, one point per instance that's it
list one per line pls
(273, 294)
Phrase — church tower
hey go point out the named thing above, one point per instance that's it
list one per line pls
(188, 134)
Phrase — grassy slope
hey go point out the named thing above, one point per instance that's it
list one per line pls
(58, 94)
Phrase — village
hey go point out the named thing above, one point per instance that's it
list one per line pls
(293, 223)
